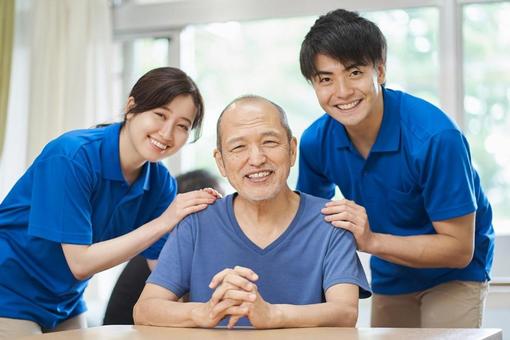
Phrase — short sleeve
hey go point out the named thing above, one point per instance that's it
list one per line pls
(447, 177)
(342, 265)
(61, 201)
(173, 270)
(310, 179)
(168, 193)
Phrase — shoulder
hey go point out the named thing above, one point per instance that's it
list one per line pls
(311, 212)
(419, 118)
(315, 133)
(214, 214)
(74, 145)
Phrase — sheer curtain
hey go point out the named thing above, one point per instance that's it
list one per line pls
(13, 161)
(70, 80)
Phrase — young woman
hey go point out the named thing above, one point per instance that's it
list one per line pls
(93, 199)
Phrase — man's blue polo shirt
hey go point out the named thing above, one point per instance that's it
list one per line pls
(74, 192)
(418, 171)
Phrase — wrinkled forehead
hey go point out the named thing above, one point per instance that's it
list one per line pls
(249, 116)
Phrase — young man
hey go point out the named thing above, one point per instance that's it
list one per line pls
(412, 197)
(262, 257)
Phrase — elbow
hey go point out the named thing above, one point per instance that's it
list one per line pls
(462, 259)
(79, 272)
(351, 318)
(347, 318)
(138, 314)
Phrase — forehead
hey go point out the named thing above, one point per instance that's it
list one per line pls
(181, 105)
(250, 117)
(325, 63)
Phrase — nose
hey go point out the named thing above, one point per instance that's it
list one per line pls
(257, 156)
(343, 88)
(167, 130)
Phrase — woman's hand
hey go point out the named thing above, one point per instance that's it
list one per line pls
(188, 203)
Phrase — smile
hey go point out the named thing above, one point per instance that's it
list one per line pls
(349, 105)
(259, 176)
(159, 145)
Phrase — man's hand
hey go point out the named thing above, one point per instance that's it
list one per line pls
(353, 217)
(208, 315)
(260, 313)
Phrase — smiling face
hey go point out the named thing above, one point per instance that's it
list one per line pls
(156, 134)
(351, 94)
(256, 155)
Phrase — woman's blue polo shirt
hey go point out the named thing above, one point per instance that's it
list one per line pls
(74, 192)
(419, 170)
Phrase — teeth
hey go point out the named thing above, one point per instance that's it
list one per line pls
(259, 174)
(158, 144)
(348, 106)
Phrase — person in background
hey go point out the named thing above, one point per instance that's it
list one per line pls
(412, 197)
(129, 286)
(262, 257)
(93, 199)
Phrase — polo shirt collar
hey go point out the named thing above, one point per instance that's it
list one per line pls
(110, 159)
(388, 138)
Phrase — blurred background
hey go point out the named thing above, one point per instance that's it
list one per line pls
(67, 64)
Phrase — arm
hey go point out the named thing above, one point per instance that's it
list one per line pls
(158, 306)
(86, 260)
(152, 264)
(451, 247)
(339, 310)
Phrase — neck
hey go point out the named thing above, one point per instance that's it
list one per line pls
(265, 221)
(130, 165)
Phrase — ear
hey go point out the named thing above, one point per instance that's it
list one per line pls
(219, 162)
(129, 105)
(293, 151)
(381, 73)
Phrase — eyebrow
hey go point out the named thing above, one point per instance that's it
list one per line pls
(264, 134)
(346, 68)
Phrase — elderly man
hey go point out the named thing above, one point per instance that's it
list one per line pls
(263, 256)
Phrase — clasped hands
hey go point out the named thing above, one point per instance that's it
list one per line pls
(235, 295)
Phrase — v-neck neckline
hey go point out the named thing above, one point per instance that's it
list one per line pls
(248, 242)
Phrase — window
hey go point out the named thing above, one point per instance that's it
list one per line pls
(262, 57)
(486, 38)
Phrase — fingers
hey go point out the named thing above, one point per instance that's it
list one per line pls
(243, 272)
(219, 309)
(213, 192)
(229, 289)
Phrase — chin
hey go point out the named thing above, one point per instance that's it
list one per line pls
(258, 197)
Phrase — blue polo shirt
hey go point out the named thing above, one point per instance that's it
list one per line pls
(418, 171)
(74, 192)
(308, 258)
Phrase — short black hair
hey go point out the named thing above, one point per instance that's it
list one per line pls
(281, 113)
(345, 36)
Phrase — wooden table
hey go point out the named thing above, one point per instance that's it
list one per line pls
(324, 333)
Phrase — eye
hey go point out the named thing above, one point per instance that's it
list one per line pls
(356, 73)
(324, 79)
(183, 127)
(270, 143)
(159, 114)
(237, 148)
